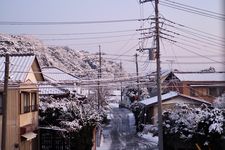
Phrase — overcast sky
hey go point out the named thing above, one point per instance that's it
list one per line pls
(126, 40)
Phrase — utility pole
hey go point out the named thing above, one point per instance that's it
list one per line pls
(99, 76)
(5, 97)
(158, 70)
(158, 76)
(121, 87)
(138, 86)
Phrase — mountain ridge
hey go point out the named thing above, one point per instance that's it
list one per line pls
(79, 63)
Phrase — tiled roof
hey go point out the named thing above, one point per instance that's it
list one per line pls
(201, 76)
(48, 89)
(53, 74)
(18, 68)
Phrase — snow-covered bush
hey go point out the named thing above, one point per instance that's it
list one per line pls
(204, 125)
(131, 92)
(69, 113)
(150, 128)
(138, 110)
(149, 133)
(70, 119)
(220, 102)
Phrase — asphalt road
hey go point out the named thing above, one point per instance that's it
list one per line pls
(120, 134)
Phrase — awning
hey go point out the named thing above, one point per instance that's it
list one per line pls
(28, 136)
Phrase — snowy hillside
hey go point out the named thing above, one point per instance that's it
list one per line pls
(79, 63)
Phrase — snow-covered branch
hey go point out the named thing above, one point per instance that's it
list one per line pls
(69, 113)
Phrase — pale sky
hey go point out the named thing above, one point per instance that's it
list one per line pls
(125, 42)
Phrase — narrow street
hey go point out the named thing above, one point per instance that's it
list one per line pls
(120, 134)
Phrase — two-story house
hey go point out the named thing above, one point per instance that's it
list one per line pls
(204, 85)
(22, 101)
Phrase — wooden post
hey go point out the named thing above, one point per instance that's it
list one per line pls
(4, 102)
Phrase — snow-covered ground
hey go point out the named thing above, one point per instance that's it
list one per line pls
(148, 133)
(120, 134)
(113, 105)
(106, 140)
(149, 137)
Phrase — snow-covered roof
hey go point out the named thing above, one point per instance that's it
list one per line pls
(167, 96)
(48, 89)
(19, 67)
(154, 99)
(200, 76)
(54, 74)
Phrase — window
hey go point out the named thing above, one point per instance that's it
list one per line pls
(25, 102)
(204, 92)
(193, 92)
(216, 91)
(199, 91)
(34, 102)
(1, 99)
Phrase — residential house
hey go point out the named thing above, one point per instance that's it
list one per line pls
(48, 89)
(62, 79)
(205, 85)
(22, 101)
(59, 84)
(169, 100)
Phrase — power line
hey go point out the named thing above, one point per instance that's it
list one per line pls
(163, 56)
(128, 49)
(204, 10)
(69, 22)
(176, 58)
(193, 11)
(79, 33)
(166, 62)
(196, 46)
(203, 44)
(202, 38)
(207, 38)
(85, 38)
(208, 43)
(190, 28)
(191, 51)
(95, 43)
(193, 56)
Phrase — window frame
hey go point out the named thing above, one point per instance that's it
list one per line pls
(25, 103)
(193, 92)
(34, 104)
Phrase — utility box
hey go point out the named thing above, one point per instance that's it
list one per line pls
(152, 54)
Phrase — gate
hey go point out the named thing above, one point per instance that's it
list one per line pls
(54, 140)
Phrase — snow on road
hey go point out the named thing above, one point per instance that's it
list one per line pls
(120, 134)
